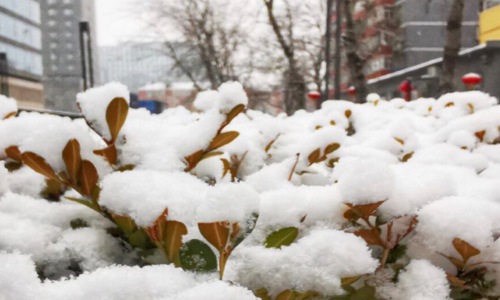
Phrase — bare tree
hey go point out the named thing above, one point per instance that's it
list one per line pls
(452, 46)
(294, 82)
(205, 34)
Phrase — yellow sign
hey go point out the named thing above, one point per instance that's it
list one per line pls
(489, 25)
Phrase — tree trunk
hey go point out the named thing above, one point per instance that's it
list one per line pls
(452, 46)
(295, 92)
(354, 61)
(295, 86)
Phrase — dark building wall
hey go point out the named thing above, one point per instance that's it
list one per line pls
(423, 29)
(484, 61)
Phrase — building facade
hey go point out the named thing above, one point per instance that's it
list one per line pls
(396, 34)
(136, 64)
(489, 22)
(63, 72)
(21, 52)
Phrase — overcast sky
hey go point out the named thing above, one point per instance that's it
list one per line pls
(115, 22)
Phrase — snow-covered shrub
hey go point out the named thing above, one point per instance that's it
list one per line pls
(385, 200)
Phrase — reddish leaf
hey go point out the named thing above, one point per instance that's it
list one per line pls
(14, 153)
(193, 159)
(223, 139)
(465, 249)
(109, 153)
(173, 238)
(88, 178)
(480, 135)
(216, 233)
(116, 114)
(455, 281)
(314, 156)
(371, 236)
(364, 210)
(72, 159)
(156, 232)
(399, 228)
(39, 165)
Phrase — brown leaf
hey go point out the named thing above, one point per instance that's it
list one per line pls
(465, 249)
(331, 148)
(11, 114)
(39, 165)
(399, 228)
(348, 113)
(407, 157)
(211, 154)
(193, 159)
(402, 142)
(88, 178)
(371, 236)
(235, 112)
(223, 139)
(72, 159)
(109, 153)
(116, 114)
(449, 104)
(349, 280)
(216, 233)
(287, 295)
(173, 238)
(226, 166)
(455, 281)
(471, 107)
(364, 210)
(14, 153)
(156, 232)
(314, 156)
(480, 135)
(270, 144)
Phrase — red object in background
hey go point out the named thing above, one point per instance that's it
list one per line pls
(351, 91)
(314, 96)
(406, 88)
(471, 80)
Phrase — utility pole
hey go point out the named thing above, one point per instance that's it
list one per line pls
(86, 55)
(4, 74)
(328, 38)
(338, 48)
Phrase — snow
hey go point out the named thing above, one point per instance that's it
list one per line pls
(364, 181)
(413, 286)
(315, 262)
(7, 106)
(426, 158)
(94, 102)
(229, 95)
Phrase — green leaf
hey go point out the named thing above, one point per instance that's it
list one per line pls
(197, 256)
(139, 239)
(282, 237)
